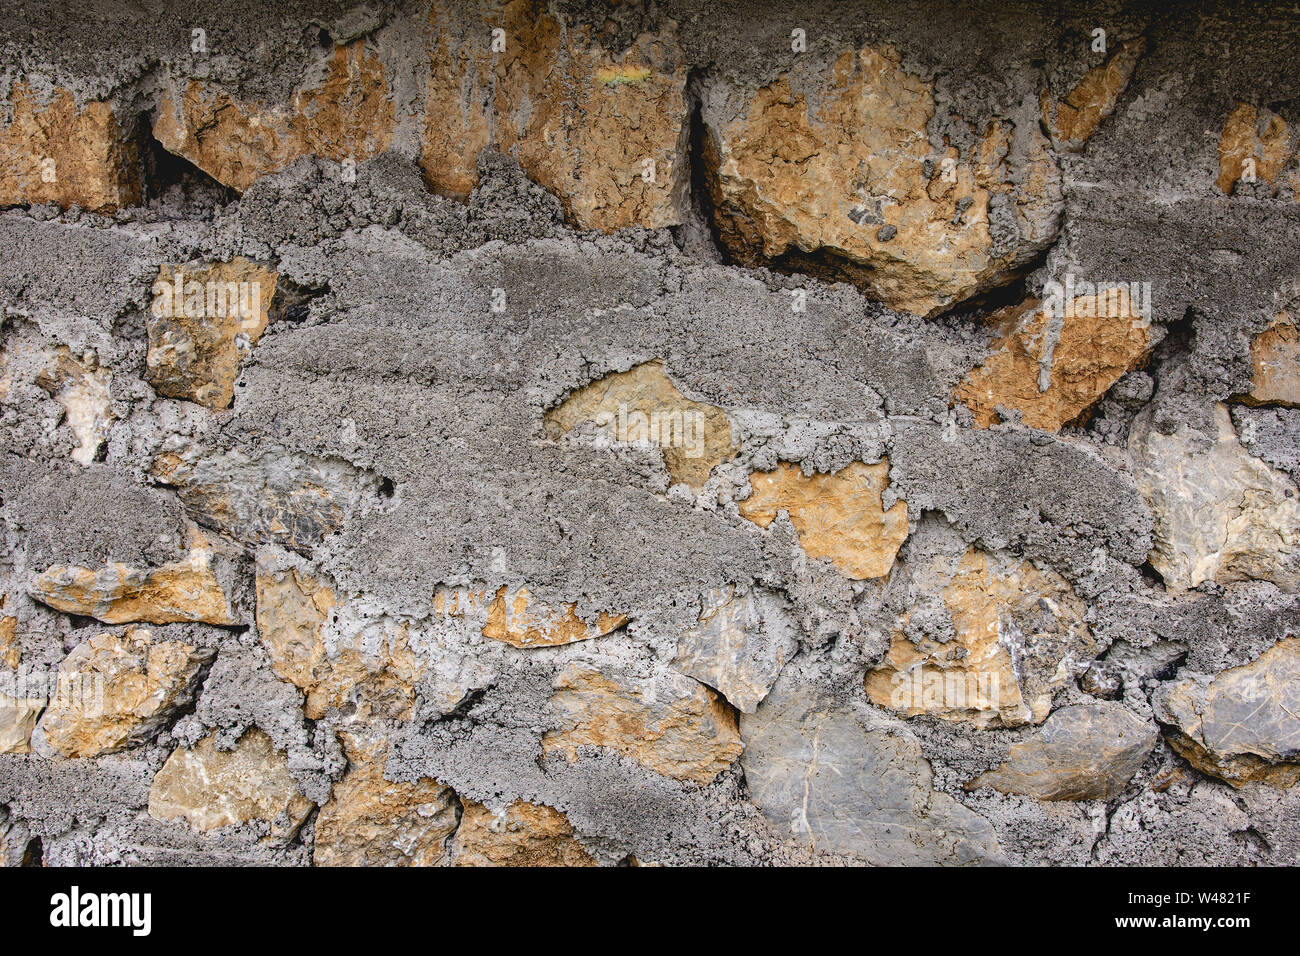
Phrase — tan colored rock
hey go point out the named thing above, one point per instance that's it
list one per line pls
(839, 165)
(9, 648)
(1242, 725)
(1220, 513)
(183, 590)
(64, 153)
(838, 516)
(18, 717)
(739, 646)
(1005, 637)
(82, 388)
(524, 834)
(581, 122)
(371, 667)
(642, 406)
(672, 725)
(203, 323)
(19, 711)
(348, 114)
(518, 619)
(1054, 367)
(118, 690)
(1275, 354)
(1074, 119)
(1083, 752)
(210, 788)
(371, 821)
(1253, 135)
(19, 708)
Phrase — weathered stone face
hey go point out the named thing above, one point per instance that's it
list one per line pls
(371, 821)
(1275, 356)
(1254, 147)
(203, 323)
(82, 388)
(61, 152)
(1080, 112)
(370, 667)
(347, 115)
(739, 646)
(840, 516)
(184, 590)
(209, 788)
(10, 650)
(1084, 752)
(520, 620)
(642, 406)
(836, 784)
(524, 834)
(1240, 725)
(605, 133)
(672, 725)
(1220, 513)
(118, 690)
(1006, 636)
(840, 164)
(1052, 368)
(273, 497)
(18, 714)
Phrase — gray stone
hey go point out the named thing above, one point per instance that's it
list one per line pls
(1084, 752)
(1243, 724)
(841, 783)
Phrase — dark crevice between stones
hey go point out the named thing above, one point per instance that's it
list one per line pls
(168, 179)
(697, 235)
(33, 853)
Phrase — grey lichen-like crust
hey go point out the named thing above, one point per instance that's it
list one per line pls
(379, 551)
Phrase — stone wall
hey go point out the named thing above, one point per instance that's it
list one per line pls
(593, 433)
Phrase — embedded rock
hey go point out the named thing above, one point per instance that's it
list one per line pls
(82, 388)
(523, 834)
(371, 821)
(1003, 638)
(740, 644)
(348, 115)
(670, 723)
(54, 150)
(1243, 724)
(184, 590)
(1074, 119)
(839, 516)
(1053, 366)
(335, 659)
(18, 714)
(839, 782)
(1254, 146)
(841, 164)
(518, 619)
(1275, 356)
(605, 132)
(1083, 752)
(1220, 513)
(209, 788)
(118, 690)
(202, 324)
(10, 649)
(643, 407)
(271, 497)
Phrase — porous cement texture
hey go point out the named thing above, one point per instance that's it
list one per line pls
(386, 375)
